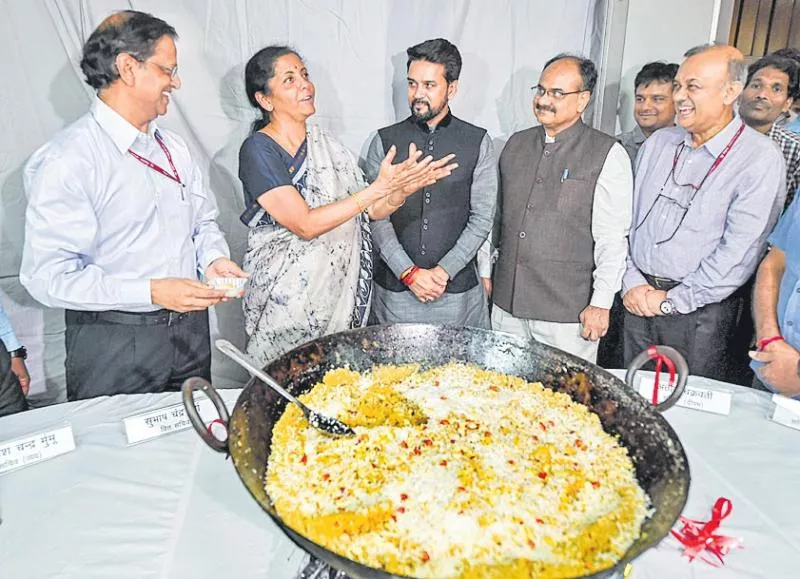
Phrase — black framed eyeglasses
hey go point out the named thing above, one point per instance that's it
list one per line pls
(554, 93)
(671, 201)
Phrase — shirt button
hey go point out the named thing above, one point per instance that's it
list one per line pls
(522, 235)
(539, 180)
(790, 323)
(425, 227)
(425, 220)
(530, 206)
(427, 201)
(547, 153)
(427, 194)
(422, 252)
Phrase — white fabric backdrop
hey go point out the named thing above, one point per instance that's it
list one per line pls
(355, 51)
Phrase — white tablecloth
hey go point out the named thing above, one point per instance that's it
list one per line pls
(171, 507)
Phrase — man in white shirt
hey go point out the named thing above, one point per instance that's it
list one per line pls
(566, 207)
(119, 224)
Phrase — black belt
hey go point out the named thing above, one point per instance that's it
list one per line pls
(661, 283)
(156, 318)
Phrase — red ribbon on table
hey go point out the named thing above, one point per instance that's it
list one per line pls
(660, 361)
(699, 537)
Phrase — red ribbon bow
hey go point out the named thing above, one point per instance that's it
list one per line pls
(699, 536)
(661, 360)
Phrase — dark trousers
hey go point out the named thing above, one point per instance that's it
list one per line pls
(611, 351)
(739, 371)
(703, 337)
(11, 397)
(123, 353)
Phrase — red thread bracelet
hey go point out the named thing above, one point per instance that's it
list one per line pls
(408, 278)
(767, 341)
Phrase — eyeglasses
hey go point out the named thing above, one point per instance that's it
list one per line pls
(554, 93)
(171, 72)
(672, 204)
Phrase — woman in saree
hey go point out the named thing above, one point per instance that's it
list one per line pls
(309, 251)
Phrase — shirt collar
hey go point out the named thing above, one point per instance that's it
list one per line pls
(638, 135)
(121, 132)
(571, 131)
(716, 144)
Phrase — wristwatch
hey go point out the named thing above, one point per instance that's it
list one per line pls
(21, 352)
(667, 307)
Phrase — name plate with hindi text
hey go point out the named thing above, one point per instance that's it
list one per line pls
(693, 397)
(787, 411)
(166, 420)
(35, 448)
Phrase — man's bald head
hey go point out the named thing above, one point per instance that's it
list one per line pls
(730, 55)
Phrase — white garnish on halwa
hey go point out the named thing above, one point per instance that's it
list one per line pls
(456, 472)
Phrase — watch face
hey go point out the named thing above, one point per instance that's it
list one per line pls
(667, 308)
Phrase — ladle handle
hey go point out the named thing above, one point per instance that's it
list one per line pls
(681, 372)
(241, 358)
(190, 386)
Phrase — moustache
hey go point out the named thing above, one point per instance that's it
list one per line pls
(416, 102)
(545, 108)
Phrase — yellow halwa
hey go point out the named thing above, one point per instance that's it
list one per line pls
(456, 472)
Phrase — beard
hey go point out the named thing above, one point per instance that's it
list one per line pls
(428, 113)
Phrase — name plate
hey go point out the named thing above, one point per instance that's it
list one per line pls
(787, 411)
(693, 397)
(148, 425)
(35, 448)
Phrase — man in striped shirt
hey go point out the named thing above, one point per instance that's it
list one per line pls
(772, 87)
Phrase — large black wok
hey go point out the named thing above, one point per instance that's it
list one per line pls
(659, 459)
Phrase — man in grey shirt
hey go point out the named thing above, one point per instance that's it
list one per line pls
(426, 268)
(707, 194)
(653, 108)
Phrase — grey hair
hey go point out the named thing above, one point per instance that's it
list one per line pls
(737, 67)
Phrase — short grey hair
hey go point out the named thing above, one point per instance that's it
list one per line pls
(737, 67)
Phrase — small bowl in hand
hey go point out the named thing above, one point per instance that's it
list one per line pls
(233, 286)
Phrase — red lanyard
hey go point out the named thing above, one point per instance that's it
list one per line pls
(174, 176)
(717, 161)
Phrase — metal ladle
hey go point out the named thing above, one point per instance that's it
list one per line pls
(323, 423)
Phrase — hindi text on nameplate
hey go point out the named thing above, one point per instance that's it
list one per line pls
(696, 398)
(35, 448)
(148, 425)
